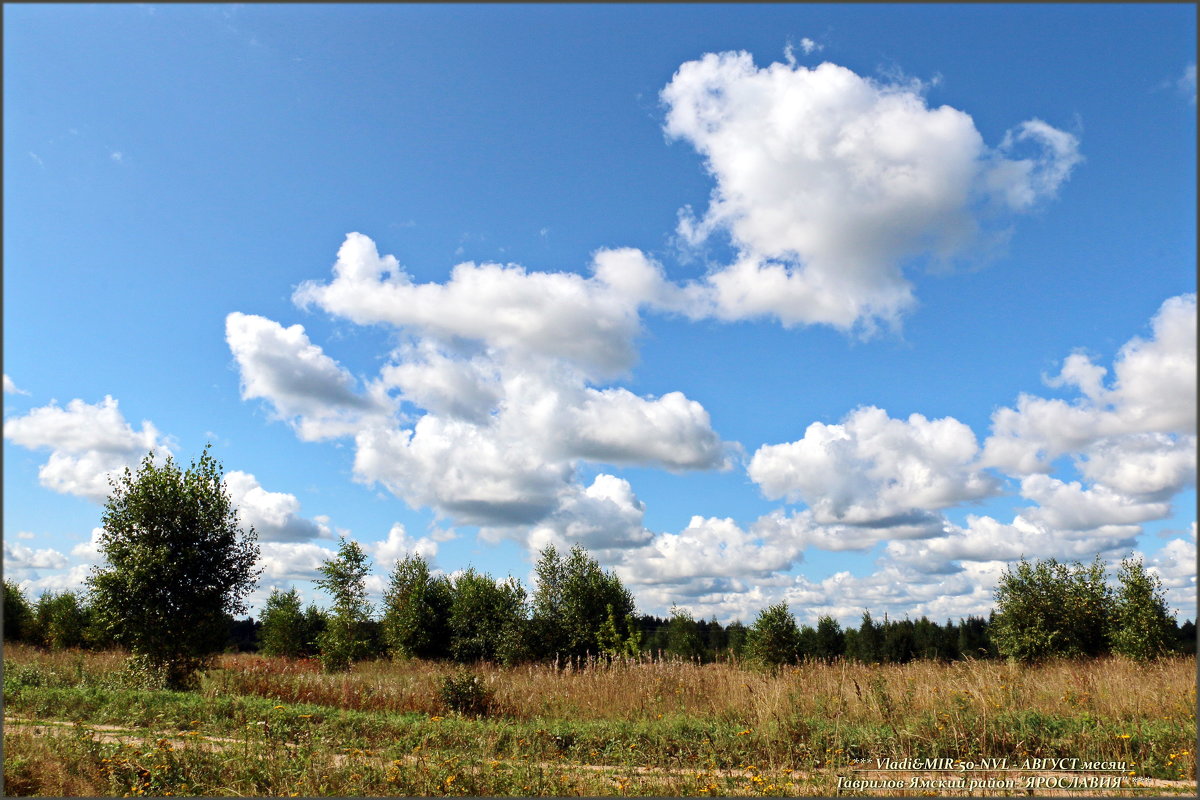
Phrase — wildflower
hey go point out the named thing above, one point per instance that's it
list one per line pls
(743, 733)
(278, 708)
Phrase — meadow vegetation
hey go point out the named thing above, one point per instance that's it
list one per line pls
(261, 725)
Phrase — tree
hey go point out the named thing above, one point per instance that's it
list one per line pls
(347, 635)
(283, 630)
(774, 638)
(868, 643)
(487, 619)
(570, 603)
(61, 619)
(1142, 628)
(830, 640)
(176, 563)
(18, 615)
(683, 635)
(1050, 609)
(416, 615)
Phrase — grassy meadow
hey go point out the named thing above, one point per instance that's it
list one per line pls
(76, 724)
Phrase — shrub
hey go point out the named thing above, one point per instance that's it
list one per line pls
(465, 693)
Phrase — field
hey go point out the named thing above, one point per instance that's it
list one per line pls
(75, 724)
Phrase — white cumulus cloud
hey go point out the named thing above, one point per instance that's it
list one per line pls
(87, 443)
(827, 182)
(275, 516)
(871, 468)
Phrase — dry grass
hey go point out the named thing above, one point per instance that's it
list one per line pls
(1115, 689)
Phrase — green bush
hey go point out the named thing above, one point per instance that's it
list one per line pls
(465, 693)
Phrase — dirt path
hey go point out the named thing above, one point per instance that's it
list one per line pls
(116, 733)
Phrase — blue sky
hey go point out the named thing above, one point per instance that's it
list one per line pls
(848, 306)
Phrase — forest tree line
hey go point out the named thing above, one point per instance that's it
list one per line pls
(177, 567)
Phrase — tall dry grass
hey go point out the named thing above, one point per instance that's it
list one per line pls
(1112, 688)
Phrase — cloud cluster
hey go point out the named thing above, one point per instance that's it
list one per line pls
(275, 516)
(872, 468)
(88, 443)
(488, 404)
(827, 181)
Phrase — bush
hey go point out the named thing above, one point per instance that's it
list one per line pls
(465, 693)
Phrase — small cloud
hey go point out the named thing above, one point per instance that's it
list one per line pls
(544, 232)
(117, 156)
(11, 388)
(1187, 82)
(24, 535)
(36, 159)
(809, 46)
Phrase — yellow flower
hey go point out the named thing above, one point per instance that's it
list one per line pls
(278, 708)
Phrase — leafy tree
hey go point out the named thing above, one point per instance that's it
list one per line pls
(736, 638)
(176, 564)
(61, 619)
(416, 618)
(18, 615)
(347, 635)
(571, 601)
(774, 638)
(683, 635)
(487, 619)
(283, 629)
(1142, 628)
(1050, 609)
(316, 620)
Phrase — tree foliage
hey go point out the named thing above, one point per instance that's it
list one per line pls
(176, 563)
(487, 619)
(347, 634)
(18, 614)
(416, 618)
(1141, 626)
(283, 630)
(774, 638)
(1049, 609)
(570, 603)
